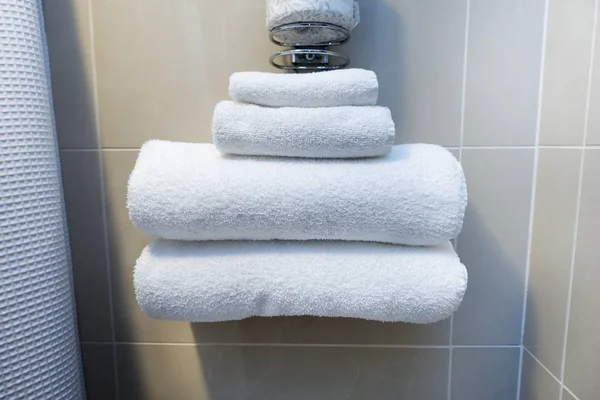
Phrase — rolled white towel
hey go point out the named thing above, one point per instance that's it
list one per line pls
(415, 195)
(219, 281)
(334, 132)
(345, 87)
(344, 13)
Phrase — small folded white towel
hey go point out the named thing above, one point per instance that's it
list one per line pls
(334, 132)
(415, 195)
(345, 87)
(219, 281)
(344, 13)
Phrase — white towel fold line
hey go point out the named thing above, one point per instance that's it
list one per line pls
(334, 132)
(219, 281)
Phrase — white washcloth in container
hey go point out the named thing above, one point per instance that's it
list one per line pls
(344, 87)
(334, 132)
(220, 281)
(344, 13)
(415, 195)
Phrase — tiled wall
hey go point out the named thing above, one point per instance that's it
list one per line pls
(562, 344)
(465, 74)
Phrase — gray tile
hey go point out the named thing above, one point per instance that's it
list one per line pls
(159, 68)
(567, 396)
(485, 373)
(503, 68)
(536, 382)
(99, 371)
(551, 252)
(493, 245)
(582, 365)
(239, 372)
(566, 71)
(69, 46)
(131, 325)
(83, 199)
(417, 50)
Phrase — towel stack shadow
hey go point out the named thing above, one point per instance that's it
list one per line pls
(303, 206)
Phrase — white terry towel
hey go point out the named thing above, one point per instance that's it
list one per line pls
(219, 281)
(344, 13)
(415, 195)
(335, 132)
(344, 87)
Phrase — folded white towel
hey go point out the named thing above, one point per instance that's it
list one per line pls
(218, 281)
(345, 87)
(344, 13)
(334, 132)
(415, 195)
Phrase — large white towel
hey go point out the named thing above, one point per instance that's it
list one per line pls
(415, 195)
(218, 281)
(334, 132)
(344, 13)
(345, 87)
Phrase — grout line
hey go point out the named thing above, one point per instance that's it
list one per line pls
(544, 367)
(536, 153)
(569, 391)
(562, 386)
(463, 99)
(579, 191)
(460, 158)
(318, 345)
(103, 194)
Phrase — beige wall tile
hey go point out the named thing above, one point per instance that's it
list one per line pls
(159, 67)
(246, 41)
(566, 71)
(485, 373)
(83, 198)
(493, 245)
(582, 365)
(504, 55)
(99, 371)
(240, 372)
(536, 382)
(417, 50)
(69, 46)
(551, 252)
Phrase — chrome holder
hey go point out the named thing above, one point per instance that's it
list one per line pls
(306, 56)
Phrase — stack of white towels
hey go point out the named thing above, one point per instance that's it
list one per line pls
(303, 206)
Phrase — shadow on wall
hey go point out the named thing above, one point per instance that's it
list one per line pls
(491, 313)
(75, 114)
(378, 44)
(70, 63)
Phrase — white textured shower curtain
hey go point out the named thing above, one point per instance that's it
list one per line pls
(39, 350)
